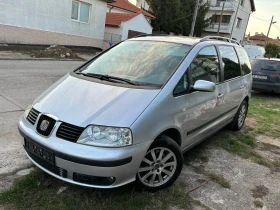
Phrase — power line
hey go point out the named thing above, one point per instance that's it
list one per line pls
(260, 26)
(260, 18)
(248, 13)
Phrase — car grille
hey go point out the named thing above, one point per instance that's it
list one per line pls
(47, 129)
(69, 132)
(32, 116)
(93, 180)
(54, 169)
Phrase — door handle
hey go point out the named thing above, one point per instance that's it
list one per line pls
(242, 86)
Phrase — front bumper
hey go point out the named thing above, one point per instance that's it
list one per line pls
(265, 86)
(85, 165)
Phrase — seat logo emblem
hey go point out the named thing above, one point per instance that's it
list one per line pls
(44, 125)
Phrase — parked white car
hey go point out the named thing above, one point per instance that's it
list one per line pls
(254, 51)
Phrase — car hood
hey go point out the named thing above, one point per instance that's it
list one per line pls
(81, 102)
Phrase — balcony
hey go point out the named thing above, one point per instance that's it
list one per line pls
(218, 5)
(225, 27)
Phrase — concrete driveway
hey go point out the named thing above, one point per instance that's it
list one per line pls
(20, 83)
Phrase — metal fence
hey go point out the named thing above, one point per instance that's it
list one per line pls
(110, 37)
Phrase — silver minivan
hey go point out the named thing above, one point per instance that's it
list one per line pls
(133, 110)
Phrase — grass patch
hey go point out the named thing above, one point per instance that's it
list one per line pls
(264, 108)
(220, 180)
(242, 145)
(212, 176)
(258, 204)
(39, 191)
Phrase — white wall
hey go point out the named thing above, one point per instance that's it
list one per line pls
(53, 16)
(238, 33)
(138, 23)
(143, 4)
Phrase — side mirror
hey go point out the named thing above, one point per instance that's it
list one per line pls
(202, 85)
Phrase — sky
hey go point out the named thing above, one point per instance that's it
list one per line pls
(260, 20)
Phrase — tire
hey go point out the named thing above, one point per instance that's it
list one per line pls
(161, 165)
(240, 116)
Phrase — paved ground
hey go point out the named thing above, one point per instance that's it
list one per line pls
(20, 83)
(14, 55)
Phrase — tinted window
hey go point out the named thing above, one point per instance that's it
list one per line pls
(230, 62)
(244, 61)
(144, 62)
(206, 66)
(182, 86)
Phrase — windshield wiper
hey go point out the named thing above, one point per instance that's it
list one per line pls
(107, 77)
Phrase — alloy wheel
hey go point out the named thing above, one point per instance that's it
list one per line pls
(242, 115)
(158, 166)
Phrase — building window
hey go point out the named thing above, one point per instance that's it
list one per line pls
(225, 18)
(80, 11)
(242, 2)
(239, 22)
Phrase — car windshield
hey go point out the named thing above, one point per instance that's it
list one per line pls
(147, 63)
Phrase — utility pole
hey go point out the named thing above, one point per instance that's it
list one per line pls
(221, 17)
(266, 39)
(235, 19)
(194, 17)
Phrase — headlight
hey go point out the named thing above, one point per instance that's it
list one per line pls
(106, 136)
(26, 112)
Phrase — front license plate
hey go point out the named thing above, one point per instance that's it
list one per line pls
(39, 151)
(259, 77)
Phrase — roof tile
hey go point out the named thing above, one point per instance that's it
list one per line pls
(115, 19)
(126, 5)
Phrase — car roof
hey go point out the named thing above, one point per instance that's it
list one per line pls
(174, 39)
(180, 39)
(268, 59)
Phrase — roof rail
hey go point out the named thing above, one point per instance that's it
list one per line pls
(220, 38)
(143, 35)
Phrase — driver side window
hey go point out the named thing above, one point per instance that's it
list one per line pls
(206, 66)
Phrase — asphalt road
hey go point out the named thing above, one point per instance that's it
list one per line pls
(20, 83)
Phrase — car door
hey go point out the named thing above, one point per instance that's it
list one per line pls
(233, 84)
(198, 110)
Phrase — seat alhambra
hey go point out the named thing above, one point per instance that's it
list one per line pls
(131, 112)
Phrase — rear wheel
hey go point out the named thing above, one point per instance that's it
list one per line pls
(161, 165)
(240, 117)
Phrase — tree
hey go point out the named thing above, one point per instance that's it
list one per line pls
(272, 50)
(176, 16)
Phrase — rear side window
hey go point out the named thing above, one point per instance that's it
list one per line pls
(244, 61)
(206, 66)
(230, 62)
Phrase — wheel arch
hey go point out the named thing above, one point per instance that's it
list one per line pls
(174, 134)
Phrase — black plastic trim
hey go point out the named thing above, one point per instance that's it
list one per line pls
(113, 163)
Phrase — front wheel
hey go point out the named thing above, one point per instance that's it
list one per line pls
(161, 165)
(240, 117)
